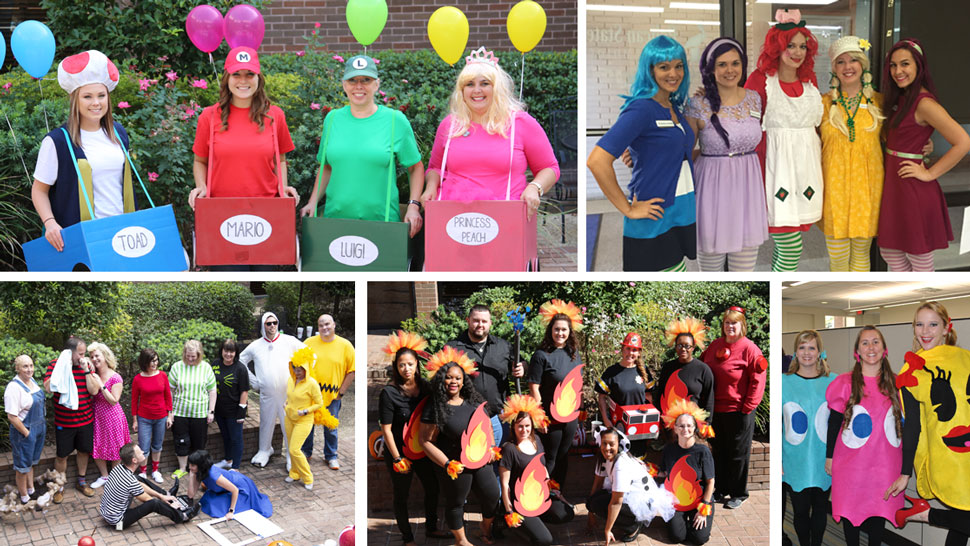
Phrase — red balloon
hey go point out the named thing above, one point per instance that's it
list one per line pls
(244, 26)
(86, 541)
(204, 27)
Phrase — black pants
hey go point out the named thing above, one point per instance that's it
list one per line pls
(680, 528)
(732, 451)
(556, 443)
(873, 527)
(957, 521)
(810, 508)
(456, 492)
(401, 487)
(154, 506)
(190, 434)
(626, 523)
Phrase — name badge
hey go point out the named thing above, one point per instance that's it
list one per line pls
(665, 123)
(755, 114)
(864, 105)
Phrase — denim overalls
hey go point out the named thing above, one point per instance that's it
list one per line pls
(26, 451)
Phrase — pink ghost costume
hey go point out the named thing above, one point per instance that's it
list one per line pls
(868, 454)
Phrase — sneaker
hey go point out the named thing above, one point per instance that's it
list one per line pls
(223, 464)
(99, 483)
(85, 489)
(288, 479)
(632, 536)
(333, 464)
(179, 474)
(143, 476)
(308, 486)
(58, 497)
(157, 476)
(735, 502)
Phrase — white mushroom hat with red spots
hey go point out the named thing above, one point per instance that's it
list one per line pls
(85, 68)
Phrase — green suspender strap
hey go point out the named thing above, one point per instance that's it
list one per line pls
(391, 186)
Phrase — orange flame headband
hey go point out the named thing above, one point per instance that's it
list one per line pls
(406, 340)
(556, 307)
(689, 325)
(450, 354)
(526, 403)
(681, 407)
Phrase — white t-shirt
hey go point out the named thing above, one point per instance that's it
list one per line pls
(619, 475)
(17, 401)
(107, 161)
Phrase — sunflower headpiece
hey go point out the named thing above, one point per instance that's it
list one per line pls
(303, 356)
(556, 307)
(406, 340)
(526, 403)
(681, 407)
(450, 354)
(689, 325)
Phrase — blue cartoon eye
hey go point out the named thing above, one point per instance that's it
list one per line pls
(796, 423)
(860, 428)
(889, 426)
(822, 421)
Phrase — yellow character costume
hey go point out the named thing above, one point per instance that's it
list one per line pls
(303, 399)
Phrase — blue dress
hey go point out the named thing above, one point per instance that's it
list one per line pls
(216, 500)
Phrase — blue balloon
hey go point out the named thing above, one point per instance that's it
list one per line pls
(33, 46)
(3, 50)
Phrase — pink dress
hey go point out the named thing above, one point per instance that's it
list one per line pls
(110, 425)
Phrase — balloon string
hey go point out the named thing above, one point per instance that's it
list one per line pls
(521, 75)
(213, 65)
(17, 145)
(47, 123)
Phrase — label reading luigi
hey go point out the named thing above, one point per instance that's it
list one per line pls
(472, 228)
(245, 229)
(353, 250)
(133, 241)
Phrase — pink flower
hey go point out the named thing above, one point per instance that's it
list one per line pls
(385, 100)
(382, 93)
(201, 84)
(163, 58)
(124, 104)
(633, 284)
(300, 53)
(316, 25)
(594, 350)
(584, 308)
(189, 112)
(314, 106)
(338, 58)
(152, 177)
(617, 315)
(145, 84)
(7, 85)
(405, 81)
(172, 76)
(377, 61)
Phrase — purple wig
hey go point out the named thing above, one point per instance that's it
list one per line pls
(714, 50)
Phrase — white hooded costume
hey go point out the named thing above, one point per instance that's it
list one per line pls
(271, 361)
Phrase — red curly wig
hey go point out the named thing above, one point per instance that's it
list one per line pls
(775, 43)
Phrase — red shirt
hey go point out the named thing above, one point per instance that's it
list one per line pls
(739, 377)
(151, 397)
(66, 417)
(243, 162)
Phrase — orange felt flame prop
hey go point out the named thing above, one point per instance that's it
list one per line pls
(513, 520)
(652, 469)
(532, 490)
(704, 509)
(401, 339)
(412, 441)
(559, 307)
(523, 402)
(682, 482)
(449, 354)
(705, 430)
(674, 391)
(689, 325)
(454, 468)
(567, 396)
(403, 466)
(477, 440)
(554, 485)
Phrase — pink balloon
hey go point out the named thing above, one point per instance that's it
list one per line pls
(204, 27)
(244, 27)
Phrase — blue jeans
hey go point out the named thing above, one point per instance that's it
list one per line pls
(151, 434)
(329, 436)
(231, 439)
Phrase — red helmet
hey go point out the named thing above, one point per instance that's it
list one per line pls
(632, 340)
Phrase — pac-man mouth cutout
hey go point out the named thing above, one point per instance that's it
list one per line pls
(958, 439)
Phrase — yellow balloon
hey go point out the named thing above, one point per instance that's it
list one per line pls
(448, 32)
(526, 24)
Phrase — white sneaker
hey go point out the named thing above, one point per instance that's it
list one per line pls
(99, 482)
(333, 464)
(143, 476)
(308, 486)
(223, 464)
(157, 476)
(288, 479)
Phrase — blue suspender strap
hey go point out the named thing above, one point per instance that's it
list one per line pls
(80, 180)
(128, 157)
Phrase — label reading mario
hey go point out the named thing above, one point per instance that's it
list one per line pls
(245, 229)
(133, 241)
(472, 228)
(353, 250)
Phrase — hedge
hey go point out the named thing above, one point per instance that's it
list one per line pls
(159, 305)
(169, 343)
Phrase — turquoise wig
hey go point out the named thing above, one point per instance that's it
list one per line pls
(658, 50)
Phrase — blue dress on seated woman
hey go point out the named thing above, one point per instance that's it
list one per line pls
(216, 500)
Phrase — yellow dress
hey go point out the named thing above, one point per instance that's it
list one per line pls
(853, 175)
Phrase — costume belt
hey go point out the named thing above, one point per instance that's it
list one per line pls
(904, 155)
(732, 154)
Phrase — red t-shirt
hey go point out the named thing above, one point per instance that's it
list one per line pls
(151, 397)
(243, 162)
(739, 374)
(66, 417)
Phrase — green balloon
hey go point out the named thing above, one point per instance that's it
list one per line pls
(366, 19)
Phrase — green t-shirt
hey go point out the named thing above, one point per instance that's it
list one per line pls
(358, 152)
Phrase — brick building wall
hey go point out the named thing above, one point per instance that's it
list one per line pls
(289, 21)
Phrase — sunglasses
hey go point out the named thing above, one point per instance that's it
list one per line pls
(271, 323)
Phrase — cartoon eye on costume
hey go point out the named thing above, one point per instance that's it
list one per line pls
(860, 428)
(796, 423)
(941, 395)
(822, 421)
(889, 426)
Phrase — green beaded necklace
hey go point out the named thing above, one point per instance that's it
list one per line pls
(852, 104)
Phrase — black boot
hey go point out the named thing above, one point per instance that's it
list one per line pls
(175, 488)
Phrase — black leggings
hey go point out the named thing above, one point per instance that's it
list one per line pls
(626, 523)
(556, 442)
(873, 527)
(731, 448)
(535, 527)
(957, 521)
(810, 508)
(401, 487)
(680, 528)
(456, 492)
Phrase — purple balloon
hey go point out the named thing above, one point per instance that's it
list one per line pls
(204, 27)
(244, 27)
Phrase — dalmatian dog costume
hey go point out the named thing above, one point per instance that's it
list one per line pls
(270, 358)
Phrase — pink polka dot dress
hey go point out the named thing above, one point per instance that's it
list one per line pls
(110, 425)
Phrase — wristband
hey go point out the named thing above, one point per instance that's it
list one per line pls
(48, 218)
(537, 186)
(414, 202)
(704, 509)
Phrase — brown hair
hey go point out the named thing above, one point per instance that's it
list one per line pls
(887, 383)
(258, 110)
(548, 345)
(950, 338)
(532, 432)
(802, 337)
(74, 119)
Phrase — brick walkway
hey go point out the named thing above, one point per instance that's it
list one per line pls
(553, 254)
(307, 517)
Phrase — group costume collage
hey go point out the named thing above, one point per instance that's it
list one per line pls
(717, 170)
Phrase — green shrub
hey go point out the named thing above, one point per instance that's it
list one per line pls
(332, 298)
(169, 343)
(155, 306)
(11, 348)
(49, 312)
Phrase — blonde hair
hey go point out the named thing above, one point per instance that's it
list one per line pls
(109, 356)
(20, 361)
(74, 118)
(802, 337)
(735, 316)
(195, 346)
(498, 119)
(835, 111)
(950, 338)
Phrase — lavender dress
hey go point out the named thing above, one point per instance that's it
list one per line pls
(731, 210)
